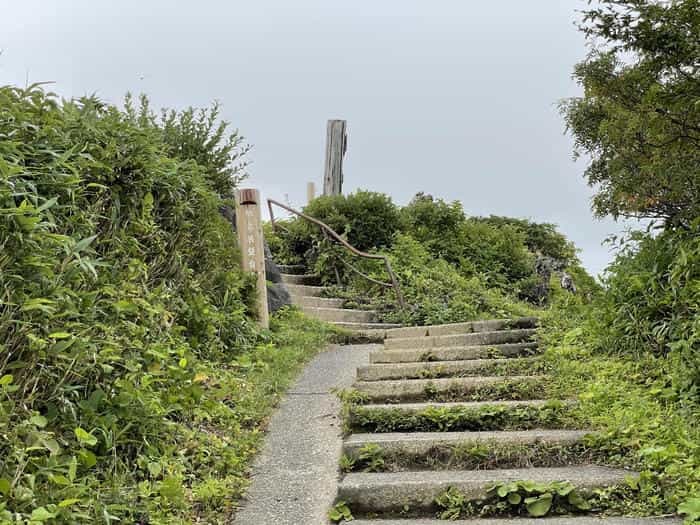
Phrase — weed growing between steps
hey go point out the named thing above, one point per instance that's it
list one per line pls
(553, 414)
(470, 455)
(513, 389)
(503, 367)
(560, 498)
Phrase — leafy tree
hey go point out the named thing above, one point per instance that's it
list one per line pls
(639, 117)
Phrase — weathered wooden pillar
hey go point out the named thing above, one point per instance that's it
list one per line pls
(310, 192)
(250, 240)
(336, 146)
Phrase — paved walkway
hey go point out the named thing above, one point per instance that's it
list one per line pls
(295, 477)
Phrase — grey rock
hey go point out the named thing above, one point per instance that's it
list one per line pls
(277, 297)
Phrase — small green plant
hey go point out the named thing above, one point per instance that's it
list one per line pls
(347, 463)
(340, 513)
(538, 498)
(370, 456)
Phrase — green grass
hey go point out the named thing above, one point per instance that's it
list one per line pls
(642, 421)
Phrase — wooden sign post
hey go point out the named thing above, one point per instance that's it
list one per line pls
(250, 240)
(310, 192)
(336, 146)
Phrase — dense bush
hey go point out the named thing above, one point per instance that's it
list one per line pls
(438, 293)
(127, 354)
(366, 219)
(652, 303)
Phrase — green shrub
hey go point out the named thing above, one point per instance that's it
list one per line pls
(435, 224)
(368, 220)
(438, 293)
(539, 237)
(652, 303)
(132, 377)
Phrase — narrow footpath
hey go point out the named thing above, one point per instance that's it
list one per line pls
(294, 480)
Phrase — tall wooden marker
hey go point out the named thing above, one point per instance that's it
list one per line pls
(310, 192)
(250, 240)
(336, 146)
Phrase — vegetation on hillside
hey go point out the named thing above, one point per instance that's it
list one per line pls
(133, 380)
(451, 267)
(637, 347)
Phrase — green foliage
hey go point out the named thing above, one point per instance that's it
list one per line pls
(553, 414)
(538, 499)
(133, 381)
(639, 118)
(539, 237)
(652, 304)
(366, 219)
(340, 513)
(451, 268)
(436, 225)
(439, 293)
(515, 498)
(644, 423)
(370, 458)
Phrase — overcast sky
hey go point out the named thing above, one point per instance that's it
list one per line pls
(451, 97)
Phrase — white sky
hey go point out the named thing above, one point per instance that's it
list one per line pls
(455, 98)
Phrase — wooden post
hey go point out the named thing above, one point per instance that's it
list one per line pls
(310, 192)
(336, 146)
(250, 240)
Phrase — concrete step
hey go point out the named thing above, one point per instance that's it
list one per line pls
(288, 278)
(341, 314)
(316, 302)
(389, 492)
(496, 337)
(463, 328)
(457, 353)
(461, 416)
(306, 290)
(435, 369)
(365, 327)
(415, 389)
(422, 443)
(292, 269)
(565, 520)
(415, 408)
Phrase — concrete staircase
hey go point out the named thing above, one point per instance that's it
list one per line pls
(308, 295)
(440, 408)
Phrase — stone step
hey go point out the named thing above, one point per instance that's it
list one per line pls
(435, 369)
(316, 302)
(495, 337)
(565, 520)
(461, 416)
(306, 290)
(345, 315)
(389, 492)
(457, 353)
(415, 389)
(421, 443)
(288, 278)
(463, 328)
(365, 327)
(292, 269)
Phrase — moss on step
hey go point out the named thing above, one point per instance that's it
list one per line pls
(469, 455)
(553, 414)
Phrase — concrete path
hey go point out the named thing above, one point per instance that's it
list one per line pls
(295, 478)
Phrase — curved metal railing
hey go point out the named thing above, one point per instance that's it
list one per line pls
(329, 232)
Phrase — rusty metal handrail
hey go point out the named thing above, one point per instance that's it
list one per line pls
(328, 230)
